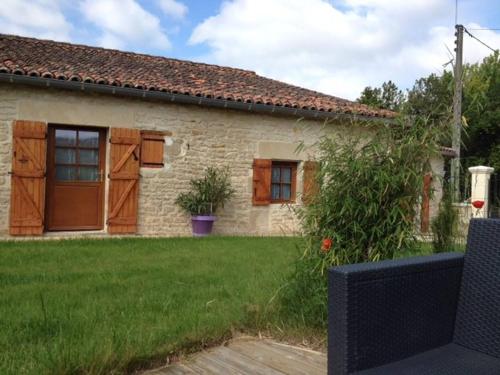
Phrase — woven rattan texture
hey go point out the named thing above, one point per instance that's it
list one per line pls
(478, 317)
(450, 359)
(383, 312)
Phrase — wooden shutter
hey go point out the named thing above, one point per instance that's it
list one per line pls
(425, 212)
(261, 182)
(152, 146)
(27, 202)
(124, 180)
(311, 187)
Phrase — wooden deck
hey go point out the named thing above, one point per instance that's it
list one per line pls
(250, 356)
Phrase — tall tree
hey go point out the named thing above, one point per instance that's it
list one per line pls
(431, 96)
(371, 96)
(389, 96)
(392, 97)
(482, 112)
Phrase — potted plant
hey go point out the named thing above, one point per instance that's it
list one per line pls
(207, 194)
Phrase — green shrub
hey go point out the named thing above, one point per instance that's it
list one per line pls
(369, 190)
(208, 193)
(444, 225)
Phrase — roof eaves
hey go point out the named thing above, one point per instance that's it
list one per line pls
(105, 88)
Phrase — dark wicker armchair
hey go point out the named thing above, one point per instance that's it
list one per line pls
(438, 314)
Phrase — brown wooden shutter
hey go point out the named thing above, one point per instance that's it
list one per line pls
(261, 182)
(124, 180)
(152, 146)
(425, 212)
(27, 202)
(311, 187)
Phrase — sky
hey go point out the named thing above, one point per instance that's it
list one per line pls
(334, 46)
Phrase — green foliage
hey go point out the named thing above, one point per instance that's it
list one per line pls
(432, 97)
(366, 204)
(371, 96)
(208, 193)
(386, 97)
(444, 225)
(481, 109)
(111, 306)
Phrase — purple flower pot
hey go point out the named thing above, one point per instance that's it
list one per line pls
(202, 225)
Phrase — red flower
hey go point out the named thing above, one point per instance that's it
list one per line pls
(326, 245)
(478, 204)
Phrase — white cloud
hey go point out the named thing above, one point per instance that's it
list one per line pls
(335, 47)
(36, 18)
(125, 24)
(173, 8)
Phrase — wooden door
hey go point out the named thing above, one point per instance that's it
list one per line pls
(27, 202)
(124, 180)
(75, 178)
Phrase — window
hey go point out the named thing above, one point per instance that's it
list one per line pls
(152, 145)
(283, 176)
(273, 182)
(77, 155)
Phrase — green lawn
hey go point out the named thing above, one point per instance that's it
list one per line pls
(110, 306)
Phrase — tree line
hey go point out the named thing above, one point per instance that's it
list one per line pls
(432, 97)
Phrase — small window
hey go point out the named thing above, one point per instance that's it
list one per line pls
(152, 145)
(283, 176)
(76, 156)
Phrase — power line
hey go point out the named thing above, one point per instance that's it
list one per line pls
(479, 40)
(486, 29)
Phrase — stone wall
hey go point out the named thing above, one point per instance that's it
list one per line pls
(197, 137)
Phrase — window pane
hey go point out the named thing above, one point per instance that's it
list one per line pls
(89, 174)
(286, 175)
(287, 192)
(65, 173)
(88, 138)
(65, 137)
(275, 191)
(276, 174)
(89, 156)
(65, 156)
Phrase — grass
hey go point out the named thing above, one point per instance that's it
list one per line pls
(115, 305)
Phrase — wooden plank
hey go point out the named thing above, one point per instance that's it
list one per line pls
(27, 206)
(30, 153)
(29, 198)
(175, 369)
(204, 363)
(124, 187)
(242, 363)
(123, 197)
(123, 176)
(118, 166)
(289, 364)
(29, 174)
(256, 357)
(317, 359)
(123, 140)
(122, 220)
(261, 182)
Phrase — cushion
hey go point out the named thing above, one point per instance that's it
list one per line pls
(451, 359)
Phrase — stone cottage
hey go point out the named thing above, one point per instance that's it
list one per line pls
(101, 141)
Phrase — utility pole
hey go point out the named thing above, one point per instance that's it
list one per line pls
(457, 113)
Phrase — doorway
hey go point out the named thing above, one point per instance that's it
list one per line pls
(75, 178)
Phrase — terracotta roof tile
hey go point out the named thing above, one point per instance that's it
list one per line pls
(64, 61)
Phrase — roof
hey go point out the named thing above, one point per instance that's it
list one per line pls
(79, 63)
